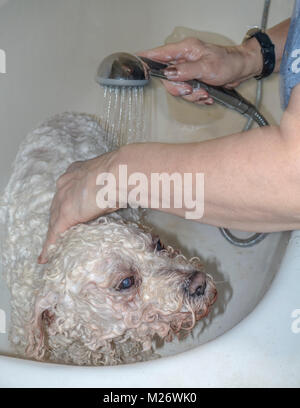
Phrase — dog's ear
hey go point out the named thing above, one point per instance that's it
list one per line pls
(42, 318)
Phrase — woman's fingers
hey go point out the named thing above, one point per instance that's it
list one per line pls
(177, 88)
(51, 239)
(54, 230)
(205, 101)
(186, 71)
(187, 92)
(60, 214)
(59, 222)
(199, 96)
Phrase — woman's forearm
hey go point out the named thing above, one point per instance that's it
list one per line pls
(252, 180)
(249, 180)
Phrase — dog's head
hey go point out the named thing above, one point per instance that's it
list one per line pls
(111, 283)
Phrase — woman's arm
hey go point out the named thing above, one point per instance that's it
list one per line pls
(252, 179)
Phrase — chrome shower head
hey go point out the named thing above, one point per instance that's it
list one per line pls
(122, 69)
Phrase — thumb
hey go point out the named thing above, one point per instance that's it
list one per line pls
(166, 53)
(52, 236)
(186, 71)
(43, 258)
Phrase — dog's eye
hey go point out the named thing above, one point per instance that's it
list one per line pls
(126, 283)
(159, 246)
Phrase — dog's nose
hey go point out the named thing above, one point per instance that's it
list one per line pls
(197, 284)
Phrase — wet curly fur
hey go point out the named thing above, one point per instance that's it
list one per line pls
(74, 309)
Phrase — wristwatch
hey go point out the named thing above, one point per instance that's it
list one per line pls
(267, 50)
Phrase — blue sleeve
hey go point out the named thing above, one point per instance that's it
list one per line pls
(290, 64)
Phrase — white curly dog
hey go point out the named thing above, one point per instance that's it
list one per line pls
(109, 287)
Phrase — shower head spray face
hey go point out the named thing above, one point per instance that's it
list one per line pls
(122, 69)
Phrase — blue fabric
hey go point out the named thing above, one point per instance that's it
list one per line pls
(290, 64)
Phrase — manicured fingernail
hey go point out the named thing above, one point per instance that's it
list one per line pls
(185, 91)
(203, 97)
(209, 101)
(171, 72)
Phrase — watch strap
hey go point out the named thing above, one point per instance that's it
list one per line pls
(268, 53)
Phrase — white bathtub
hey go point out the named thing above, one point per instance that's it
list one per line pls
(52, 51)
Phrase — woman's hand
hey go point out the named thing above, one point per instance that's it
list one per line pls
(213, 64)
(75, 198)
